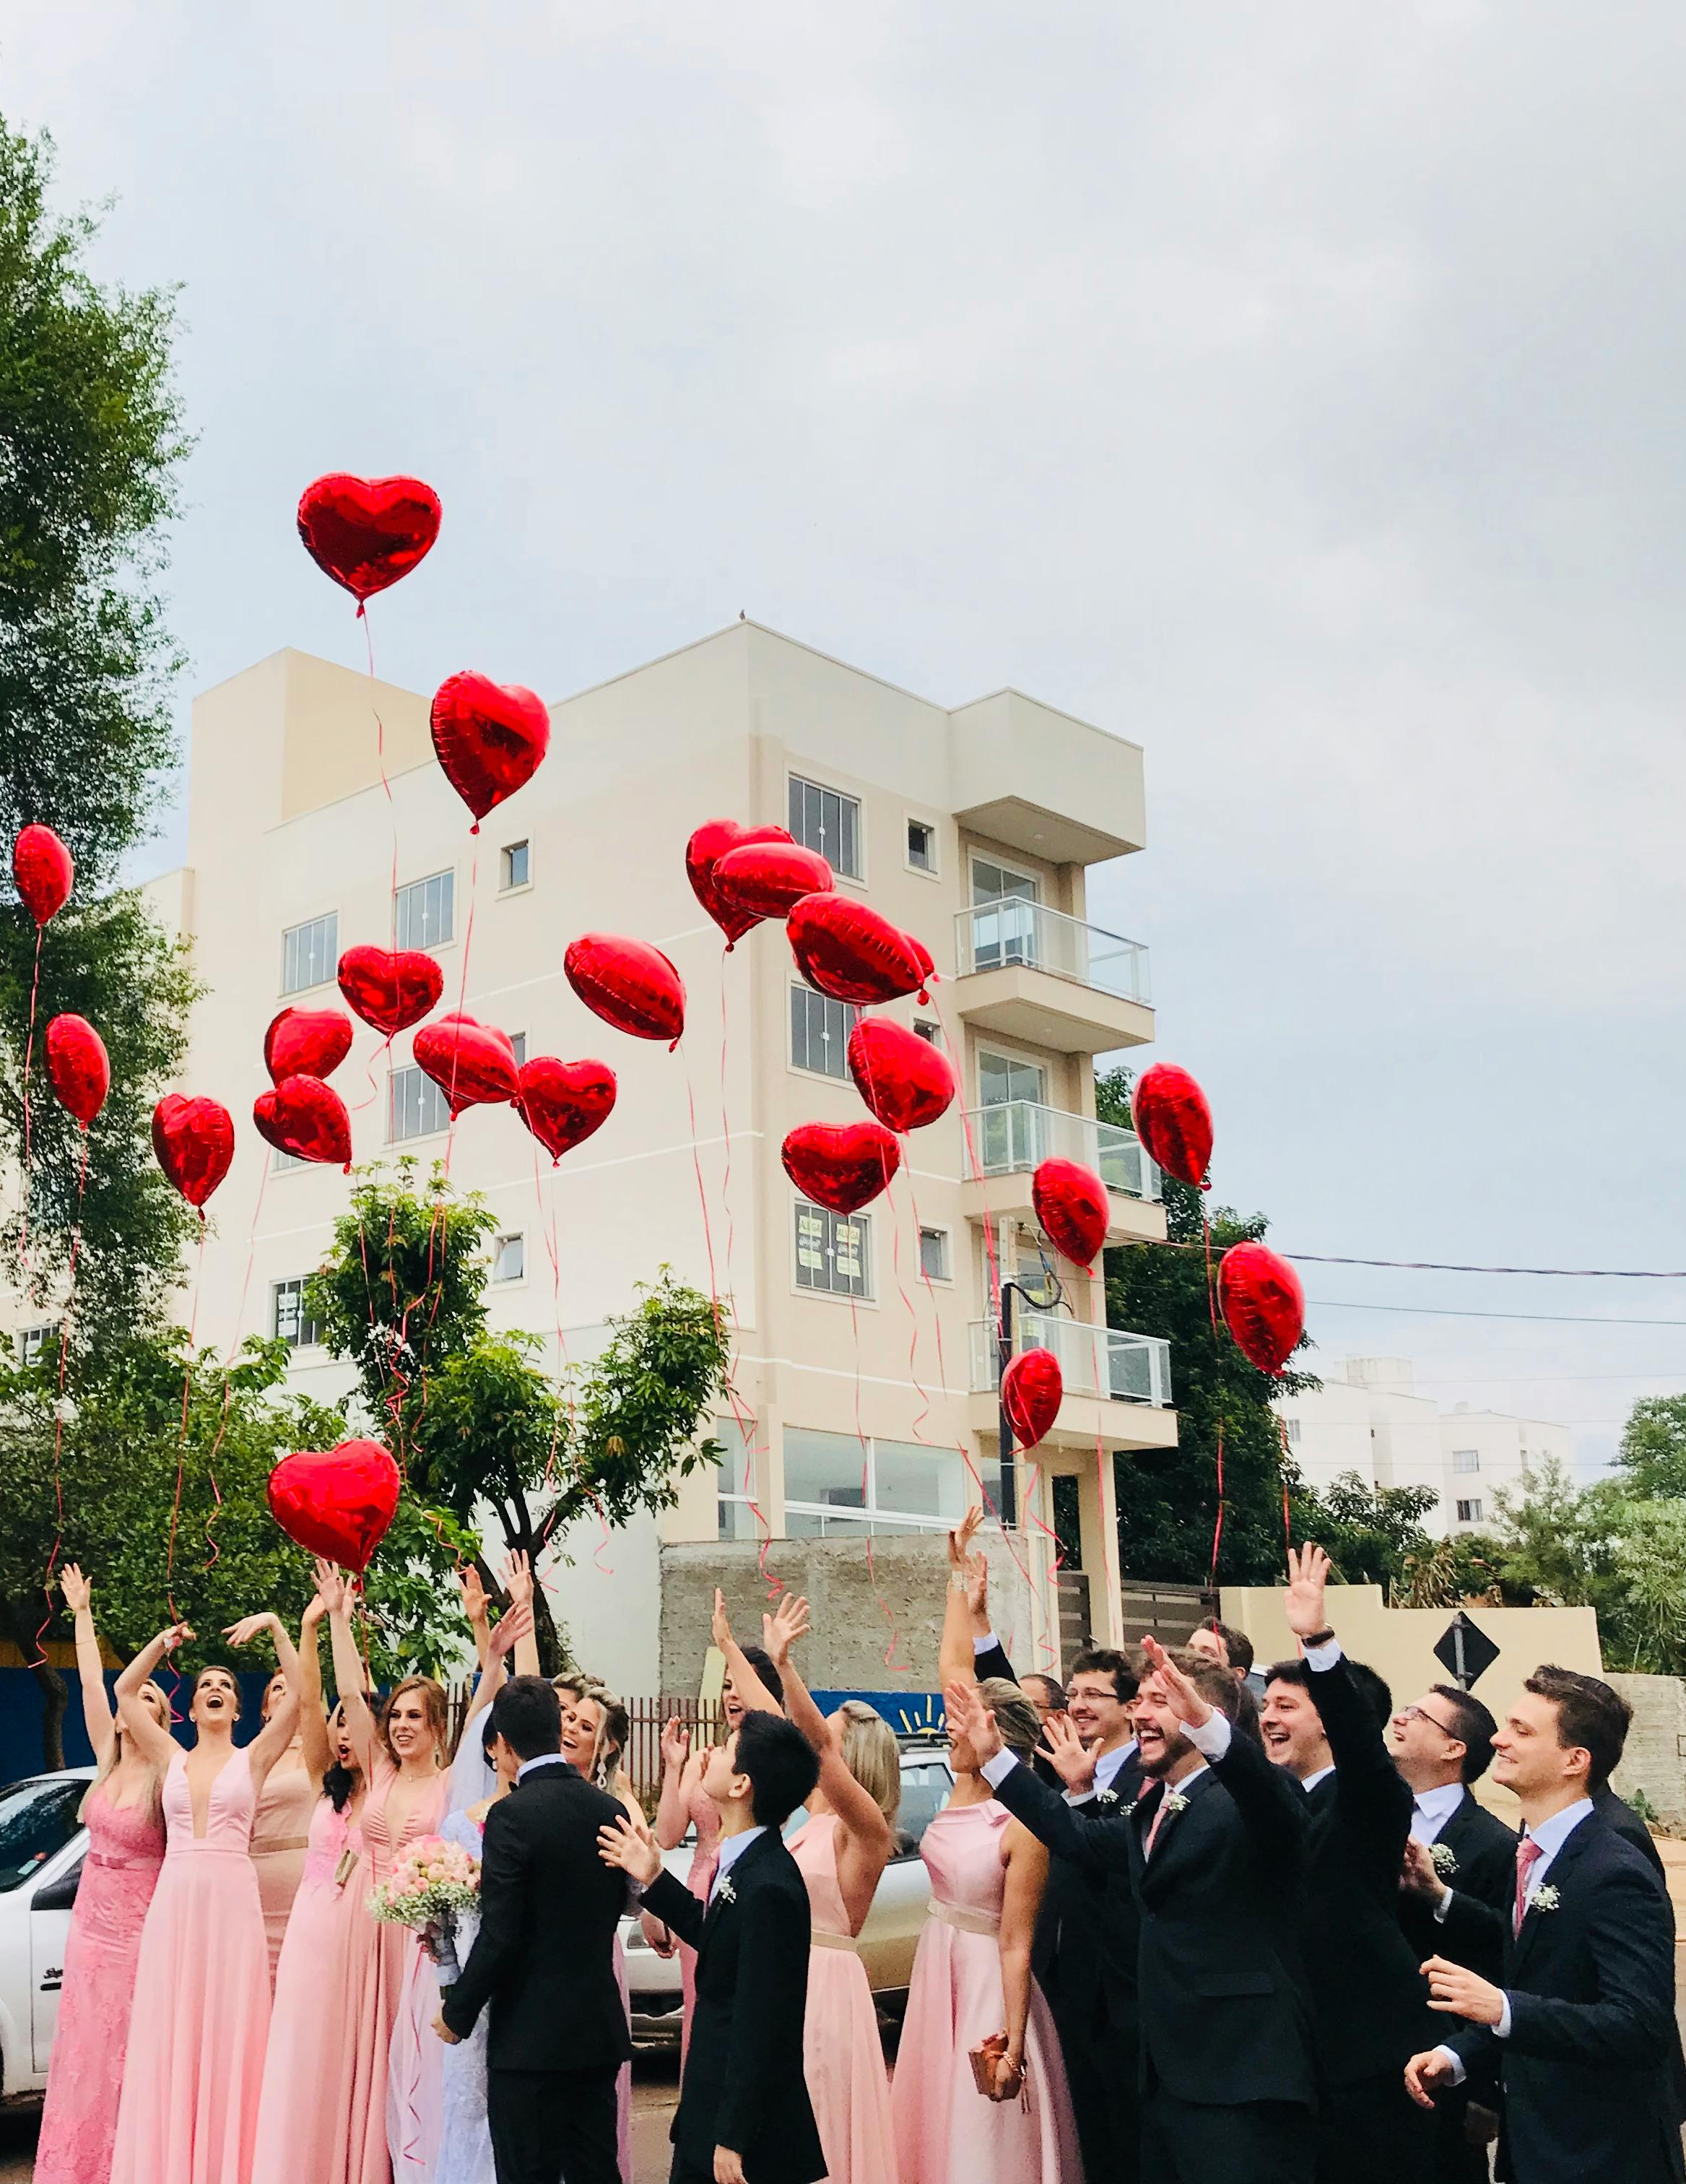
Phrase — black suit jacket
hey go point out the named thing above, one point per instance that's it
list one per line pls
(1089, 1935)
(1224, 2015)
(1482, 1874)
(544, 1956)
(1588, 2069)
(743, 2086)
(1617, 1813)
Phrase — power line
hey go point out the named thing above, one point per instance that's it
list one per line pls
(1454, 1312)
(1459, 1266)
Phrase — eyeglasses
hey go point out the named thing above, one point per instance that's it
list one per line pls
(1421, 1713)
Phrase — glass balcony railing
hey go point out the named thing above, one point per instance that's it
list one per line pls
(1094, 1361)
(1016, 1134)
(995, 936)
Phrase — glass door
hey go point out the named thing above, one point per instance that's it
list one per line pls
(1011, 1094)
(1004, 923)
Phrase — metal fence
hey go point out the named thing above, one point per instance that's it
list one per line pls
(646, 1718)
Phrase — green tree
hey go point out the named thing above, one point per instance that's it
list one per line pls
(1652, 1454)
(1373, 1535)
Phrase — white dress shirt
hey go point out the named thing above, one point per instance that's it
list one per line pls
(732, 1848)
(544, 1759)
(1431, 1809)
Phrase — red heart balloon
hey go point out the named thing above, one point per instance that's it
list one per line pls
(390, 991)
(1262, 1303)
(194, 1142)
(472, 1064)
(847, 950)
(1173, 1121)
(841, 1164)
(704, 851)
(367, 532)
(628, 984)
(337, 1502)
(1032, 1389)
(306, 1118)
(764, 879)
(306, 1043)
(490, 737)
(41, 867)
(563, 1102)
(77, 1063)
(1072, 1204)
(903, 1078)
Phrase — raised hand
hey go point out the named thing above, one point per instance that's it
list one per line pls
(517, 1577)
(474, 1594)
(1065, 1748)
(960, 1539)
(1192, 1710)
(330, 1586)
(516, 1625)
(1423, 2073)
(630, 1845)
(75, 1588)
(177, 1634)
(676, 1744)
(719, 1627)
(249, 1627)
(974, 1720)
(782, 1629)
(1308, 1573)
(977, 1592)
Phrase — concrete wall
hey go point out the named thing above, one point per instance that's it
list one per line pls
(1655, 1758)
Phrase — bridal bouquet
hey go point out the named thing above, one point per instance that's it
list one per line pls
(426, 1888)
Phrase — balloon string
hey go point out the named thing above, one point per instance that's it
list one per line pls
(549, 1232)
(58, 1403)
(726, 1141)
(181, 1441)
(897, 1667)
(1282, 1475)
(1211, 1286)
(1217, 1528)
(380, 762)
(29, 1053)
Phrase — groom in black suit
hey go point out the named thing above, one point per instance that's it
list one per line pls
(544, 1959)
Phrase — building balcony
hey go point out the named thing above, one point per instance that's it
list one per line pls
(1117, 1385)
(1007, 1143)
(1031, 974)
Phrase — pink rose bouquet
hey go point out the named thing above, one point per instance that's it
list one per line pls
(428, 1886)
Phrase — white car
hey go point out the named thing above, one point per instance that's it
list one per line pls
(42, 1845)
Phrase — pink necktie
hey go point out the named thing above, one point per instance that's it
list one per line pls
(1153, 1827)
(1528, 1854)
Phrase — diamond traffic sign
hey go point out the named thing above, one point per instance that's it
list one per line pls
(1465, 1651)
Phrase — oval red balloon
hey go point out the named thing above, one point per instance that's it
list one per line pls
(841, 1164)
(1032, 1389)
(472, 1064)
(490, 738)
(77, 1063)
(628, 984)
(43, 872)
(704, 851)
(844, 948)
(306, 1118)
(367, 532)
(194, 1142)
(1072, 1205)
(563, 1102)
(766, 879)
(337, 1502)
(1262, 1303)
(306, 1043)
(390, 990)
(1173, 1121)
(903, 1078)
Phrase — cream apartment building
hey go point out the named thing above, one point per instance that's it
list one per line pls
(864, 1356)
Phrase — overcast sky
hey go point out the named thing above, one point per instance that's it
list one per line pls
(1296, 390)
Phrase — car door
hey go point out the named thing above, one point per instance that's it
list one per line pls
(50, 1909)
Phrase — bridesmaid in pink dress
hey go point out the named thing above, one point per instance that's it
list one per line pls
(195, 2065)
(123, 1815)
(288, 1798)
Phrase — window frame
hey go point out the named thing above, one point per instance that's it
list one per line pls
(793, 781)
(866, 1295)
(500, 1238)
(933, 871)
(857, 1523)
(1460, 1470)
(946, 1238)
(976, 857)
(811, 997)
(330, 917)
(506, 850)
(1469, 1510)
(405, 887)
(409, 1137)
(302, 1341)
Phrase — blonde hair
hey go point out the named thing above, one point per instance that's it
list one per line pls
(114, 1753)
(614, 1727)
(436, 1709)
(871, 1755)
(1015, 1714)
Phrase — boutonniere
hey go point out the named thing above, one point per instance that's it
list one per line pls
(1109, 1797)
(1175, 1803)
(726, 1893)
(1131, 1807)
(1444, 1859)
(1545, 1899)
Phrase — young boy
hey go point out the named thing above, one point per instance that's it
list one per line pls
(743, 2116)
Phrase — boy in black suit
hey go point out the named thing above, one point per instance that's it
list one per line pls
(1582, 2029)
(743, 2114)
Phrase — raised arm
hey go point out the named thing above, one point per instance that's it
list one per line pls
(861, 1816)
(517, 1583)
(748, 1687)
(148, 1736)
(1371, 1790)
(989, 1655)
(313, 1715)
(1098, 1844)
(673, 1815)
(97, 1715)
(474, 1608)
(956, 1661)
(1269, 1804)
(349, 1679)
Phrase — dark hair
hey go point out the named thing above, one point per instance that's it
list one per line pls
(1053, 1691)
(527, 1714)
(1589, 1714)
(771, 1682)
(222, 1669)
(1210, 1679)
(1105, 1660)
(1237, 1645)
(1247, 1716)
(1371, 1688)
(338, 1784)
(1472, 1726)
(779, 1763)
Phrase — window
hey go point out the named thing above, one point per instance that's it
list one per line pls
(289, 1320)
(1005, 917)
(822, 819)
(515, 862)
(921, 846)
(819, 1032)
(418, 1107)
(739, 1473)
(509, 1258)
(927, 1787)
(426, 910)
(37, 1819)
(1469, 1512)
(992, 883)
(933, 1254)
(1292, 1425)
(1465, 1459)
(33, 1341)
(1002, 1077)
(285, 1163)
(518, 1039)
(932, 1034)
(832, 1252)
(310, 953)
(844, 1485)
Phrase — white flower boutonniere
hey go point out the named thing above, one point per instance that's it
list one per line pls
(1107, 1797)
(1445, 1859)
(1131, 1807)
(1545, 1899)
(1175, 1803)
(726, 1893)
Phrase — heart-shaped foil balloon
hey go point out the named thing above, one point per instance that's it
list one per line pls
(903, 1078)
(367, 532)
(841, 1164)
(563, 1102)
(1262, 1303)
(306, 1118)
(194, 1142)
(337, 1502)
(390, 989)
(306, 1043)
(473, 1064)
(846, 950)
(41, 867)
(490, 738)
(1032, 1389)
(766, 879)
(628, 984)
(1072, 1204)
(77, 1063)
(704, 851)
(1173, 1121)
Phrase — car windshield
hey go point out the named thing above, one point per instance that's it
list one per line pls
(35, 1819)
(925, 1787)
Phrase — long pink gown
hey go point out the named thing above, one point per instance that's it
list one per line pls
(947, 2132)
(704, 1815)
(305, 2118)
(280, 1839)
(119, 1875)
(194, 2071)
(381, 1956)
(842, 2060)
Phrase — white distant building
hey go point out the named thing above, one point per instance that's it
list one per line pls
(1366, 1418)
